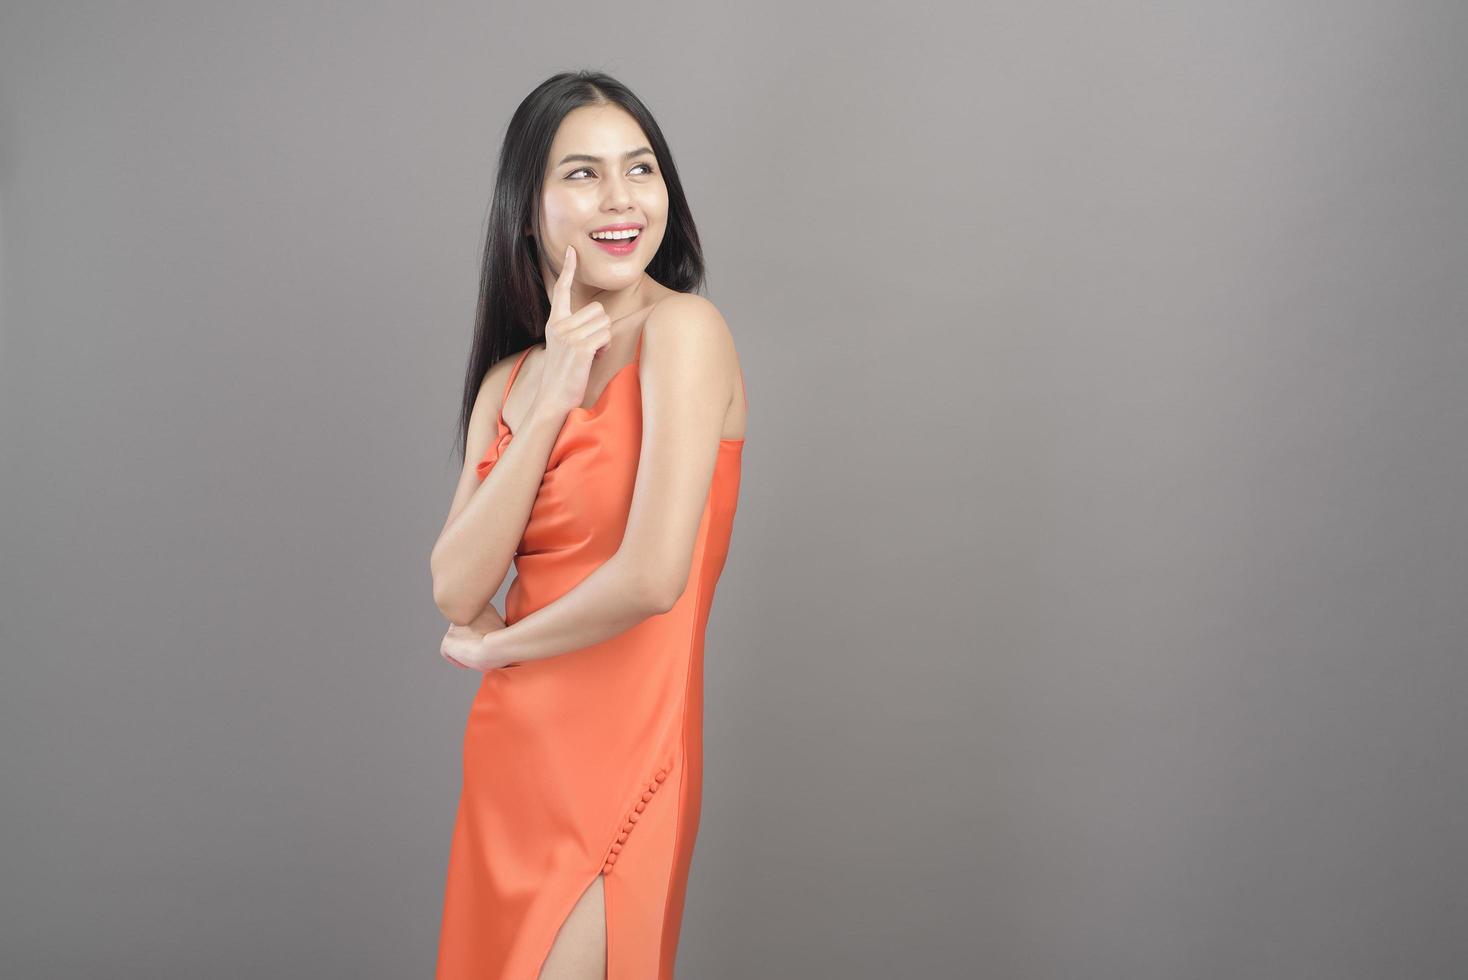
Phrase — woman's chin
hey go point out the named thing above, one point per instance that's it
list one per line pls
(617, 276)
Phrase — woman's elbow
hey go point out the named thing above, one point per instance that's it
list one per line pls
(456, 605)
(448, 604)
(665, 591)
(646, 584)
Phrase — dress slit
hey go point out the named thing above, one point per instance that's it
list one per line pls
(550, 943)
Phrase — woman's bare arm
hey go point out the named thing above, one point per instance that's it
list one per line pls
(486, 520)
(686, 377)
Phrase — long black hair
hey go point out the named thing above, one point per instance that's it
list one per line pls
(513, 305)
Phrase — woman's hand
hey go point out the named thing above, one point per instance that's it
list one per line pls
(467, 646)
(572, 341)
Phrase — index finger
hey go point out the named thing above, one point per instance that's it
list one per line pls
(561, 298)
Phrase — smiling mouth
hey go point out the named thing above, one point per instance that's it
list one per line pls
(618, 246)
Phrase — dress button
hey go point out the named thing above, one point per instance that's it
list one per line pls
(611, 859)
(646, 795)
(661, 775)
(622, 837)
(617, 848)
(640, 807)
(606, 869)
(631, 818)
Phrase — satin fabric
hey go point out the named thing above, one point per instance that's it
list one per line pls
(588, 762)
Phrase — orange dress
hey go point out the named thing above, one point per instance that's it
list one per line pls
(588, 762)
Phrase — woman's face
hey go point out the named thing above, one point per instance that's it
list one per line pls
(622, 185)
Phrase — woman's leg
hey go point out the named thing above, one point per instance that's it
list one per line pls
(580, 948)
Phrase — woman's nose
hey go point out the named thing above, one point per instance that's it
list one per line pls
(618, 193)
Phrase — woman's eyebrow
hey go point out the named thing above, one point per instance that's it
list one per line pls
(588, 158)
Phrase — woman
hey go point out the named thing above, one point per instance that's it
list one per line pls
(603, 457)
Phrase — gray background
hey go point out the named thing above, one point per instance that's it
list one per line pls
(1096, 601)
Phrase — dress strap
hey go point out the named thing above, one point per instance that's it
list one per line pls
(513, 371)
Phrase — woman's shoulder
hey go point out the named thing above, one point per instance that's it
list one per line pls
(693, 325)
(502, 368)
(687, 302)
(693, 341)
(492, 386)
(692, 315)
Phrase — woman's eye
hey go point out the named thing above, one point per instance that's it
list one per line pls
(587, 170)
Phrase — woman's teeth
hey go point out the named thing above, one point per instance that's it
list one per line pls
(614, 236)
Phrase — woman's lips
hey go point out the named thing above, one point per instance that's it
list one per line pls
(621, 247)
